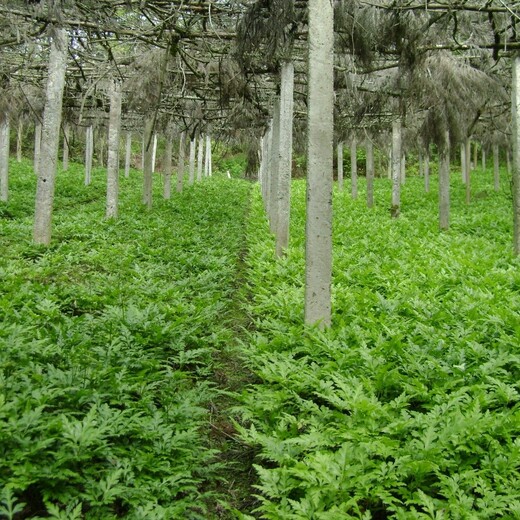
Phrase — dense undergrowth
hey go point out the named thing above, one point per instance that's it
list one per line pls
(408, 407)
(107, 349)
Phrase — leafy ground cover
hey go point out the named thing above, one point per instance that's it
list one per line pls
(107, 349)
(408, 407)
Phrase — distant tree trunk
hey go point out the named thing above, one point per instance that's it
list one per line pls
(285, 157)
(167, 167)
(403, 168)
(180, 164)
(370, 173)
(496, 167)
(37, 145)
(273, 167)
(483, 156)
(339, 158)
(207, 155)
(143, 146)
(508, 160)
(114, 132)
(66, 137)
(353, 167)
(4, 157)
(444, 183)
(251, 161)
(148, 160)
(320, 98)
(101, 147)
(89, 152)
(193, 146)
(154, 152)
(468, 169)
(210, 157)
(19, 140)
(427, 169)
(516, 152)
(396, 168)
(463, 162)
(200, 157)
(50, 137)
(128, 153)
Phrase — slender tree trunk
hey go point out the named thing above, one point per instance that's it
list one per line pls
(353, 167)
(444, 183)
(508, 161)
(154, 152)
(66, 137)
(318, 231)
(483, 157)
(180, 164)
(148, 161)
(128, 153)
(4, 157)
(114, 132)
(285, 157)
(193, 146)
(210, 158)
(168, 152)
(370, 173)
(516, 152)
(19, 140)
(396, 168)
(266, 166)
(200, 157)
(207, 155)
(468, 169)
(37, 146)
(496, 167)
(339, 158)
(463, 162)
(403, 167)
(143, 146)
(475, 155)
(50, 137)
(273, 167)
(101, 147)
(427, 170)
(389, 165)
(89, 152)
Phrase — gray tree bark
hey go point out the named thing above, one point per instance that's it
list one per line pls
(318, 230)
(468, 168)
(4, 157)
(396, 168)
(515, 94)
(403, 167)
(180, 164)
(285, 157)
(444, 183)
(483, 156)
(128, 153)
(154, 151)
(114, 132)
(37, 145)
(148, 161)
(463, 162)
(19, 140)
(273, 167)
(339, 153)
(200, 157)
(496, 167)
(66, 137)
(50, 137)
(207, 157)
(167, 167)
(89, 152)
(370, 172)
(193, 146)
(353, 167)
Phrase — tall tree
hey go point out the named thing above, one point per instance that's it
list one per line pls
(114, 131)
(50, 136)
(320, 101)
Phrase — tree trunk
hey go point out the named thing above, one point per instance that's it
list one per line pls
(339, 158)
(143, 146)
(370, 173)
(4, 157)
(114, 131)
(353, 167)
(285, 157)
(180, 164)
(207, 162)
(66, 136)
(475, 155)
(463, 162)
(427, 170)
(496, 167)
(37, 146)
(19, 140)
(89, 152)
(396, 168)
(444, 183)
(320, 98)
(483, 157)
(468, 168)
(167, 167)
(128, 153)
(273, 166)
(148, 160)
(200, 157)
(50, 137)
(265, 166)
(193, 146)
(516, 152)
(154, 151)
(403, 168)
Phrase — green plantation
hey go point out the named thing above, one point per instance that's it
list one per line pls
(158, 366)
